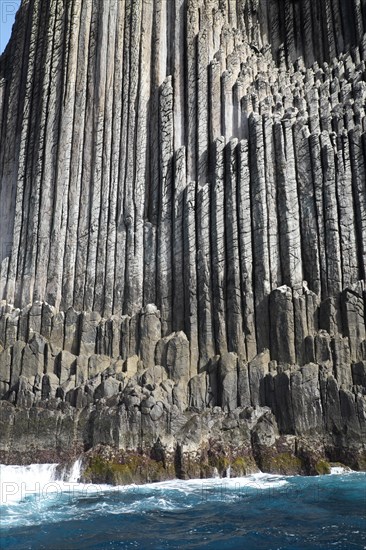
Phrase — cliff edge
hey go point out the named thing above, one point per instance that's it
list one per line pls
(183, 236)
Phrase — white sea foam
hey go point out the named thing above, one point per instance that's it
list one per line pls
(75, 473)
(256, 481)
(40, 480)
(338, 470)
(18, 481)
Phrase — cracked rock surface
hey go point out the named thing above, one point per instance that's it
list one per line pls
(183, 233)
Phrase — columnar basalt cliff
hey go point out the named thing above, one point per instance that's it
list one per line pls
(183, 235)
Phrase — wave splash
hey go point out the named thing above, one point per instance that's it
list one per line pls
(42, 482)
(19, 482)
(42, 494)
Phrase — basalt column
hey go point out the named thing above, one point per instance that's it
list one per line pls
(202, 157)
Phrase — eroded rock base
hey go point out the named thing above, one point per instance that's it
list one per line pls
(138, 412)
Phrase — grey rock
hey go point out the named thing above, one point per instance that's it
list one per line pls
(57, 330)
(65, 366)
(258, 369)
(306, 400)
(359, 374)
(107, 388)
(88, 338)
(228, 381)
(153, 376)
(180, 395)
(97, 364)
(198, 392)
(81, 369)
(323, 352)
(16, 363)
(353, 309)
(132, 366)
(173, 352)
(50, 383)
(71, 342)
(282, 325)
(208, 157)
(342, 360)
(35, 319)
(33, 358)
(244, 398)
(46, 324)
(150, 334)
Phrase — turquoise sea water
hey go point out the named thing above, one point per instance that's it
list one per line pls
(256, 512)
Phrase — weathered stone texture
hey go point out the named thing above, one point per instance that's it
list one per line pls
(208, 157)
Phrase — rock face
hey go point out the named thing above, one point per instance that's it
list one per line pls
(183, 231)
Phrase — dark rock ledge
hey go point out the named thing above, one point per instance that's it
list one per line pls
(207, 156)
(144, 417)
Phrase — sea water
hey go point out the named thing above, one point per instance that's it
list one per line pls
(39, 511)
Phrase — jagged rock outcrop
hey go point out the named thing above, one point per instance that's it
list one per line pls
(206, 156)
(115, 394)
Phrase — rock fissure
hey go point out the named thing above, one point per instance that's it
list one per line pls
(208, 157)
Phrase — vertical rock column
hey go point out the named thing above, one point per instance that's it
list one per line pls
(309, 229)
(347, 222)
(288, 206)
(245, 249)
(76, 174)
(218, 247)
(358, 154)
(133, 283)
(164, 251)
(178, 252)
(62, 183)
(122, 220)
(190, 273)
(202, 107)
(234, 322)
(86, 166)
(112, 260)
(105, 152)
(204, 288)
(13, 171)
(192, 29)
(261, 269)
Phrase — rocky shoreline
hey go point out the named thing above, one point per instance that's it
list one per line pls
(183, 236)
(144, 418)
(195, 457)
